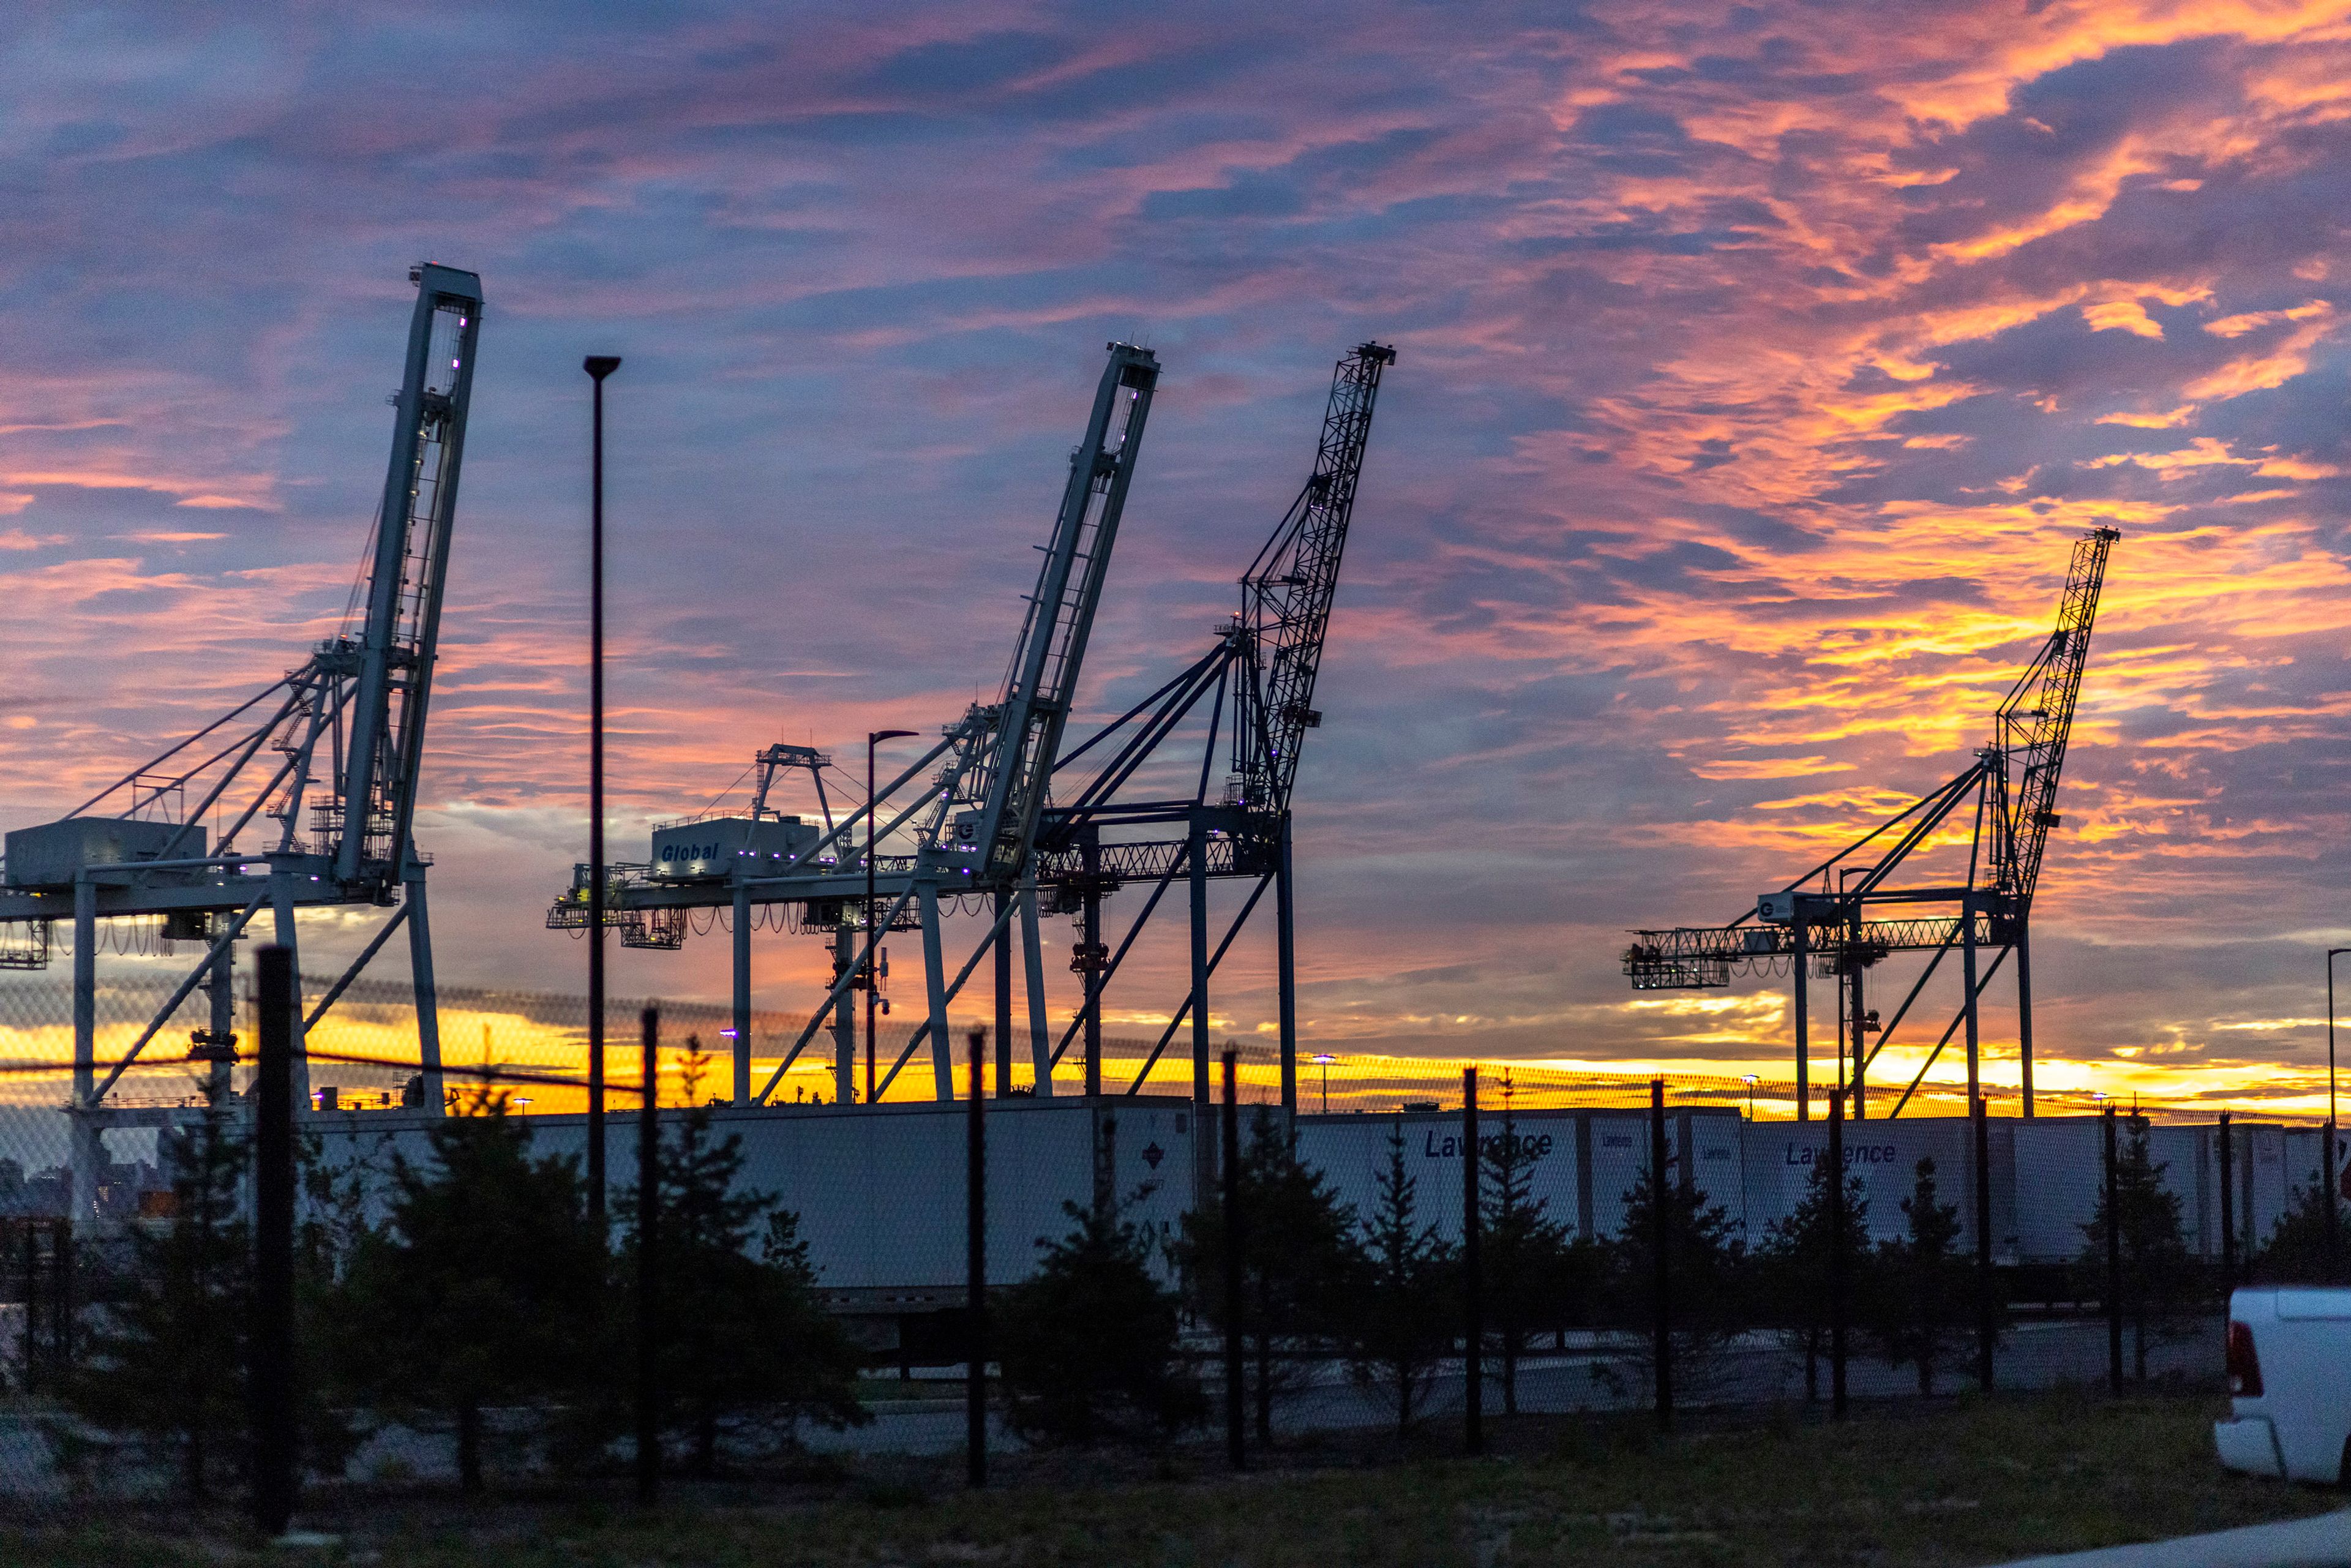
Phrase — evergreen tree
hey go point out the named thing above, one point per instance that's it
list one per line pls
(1921, 1306)
(1794, 1267)
(2294, 1252)
(1086, 1345)
(1708, 1268)
(1534, 1276)
(331, 1223)
(166, 1361)
(741, 1341)
(1401, 1325)
(1298, 1261)
(486, 1284)
(2158, 1277)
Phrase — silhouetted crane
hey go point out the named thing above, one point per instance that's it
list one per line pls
(2012, 783)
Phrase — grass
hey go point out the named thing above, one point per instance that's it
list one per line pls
(1976, 1481)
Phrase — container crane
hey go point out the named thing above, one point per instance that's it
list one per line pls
(345, 731)
(1266, 657)
(973, 820)
(2012, 786)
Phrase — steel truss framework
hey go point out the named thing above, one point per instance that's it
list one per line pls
(340, 739)
(997, 808)
(1842, 918)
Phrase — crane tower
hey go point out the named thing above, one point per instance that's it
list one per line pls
(1266, 657)
(998, 808)
(1838, 918)
(204, 838)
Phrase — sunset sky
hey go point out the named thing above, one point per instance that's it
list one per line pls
(1757, 366)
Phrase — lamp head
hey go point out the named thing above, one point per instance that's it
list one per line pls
(601, 365)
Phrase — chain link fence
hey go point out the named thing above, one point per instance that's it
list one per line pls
(472, 1298)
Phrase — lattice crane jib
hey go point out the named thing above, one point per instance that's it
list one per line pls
(1287, 593)
(2034, 725)
(1047, 661)
(397, 642)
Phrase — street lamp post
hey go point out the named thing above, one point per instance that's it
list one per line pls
(873, 937)
(1323, 1059)
(598, 367)
(2333, 1226)
(1748, 1079)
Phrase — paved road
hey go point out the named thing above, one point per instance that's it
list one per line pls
(1758, 1370)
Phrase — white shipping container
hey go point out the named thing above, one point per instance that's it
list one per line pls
(880, 1191)
(1580, 1164)
(1884, 1157)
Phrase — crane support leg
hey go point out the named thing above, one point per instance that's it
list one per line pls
(2024, 1009)
(935, 977)
(1804, 1044)
(1285, 941)
(1032, 947)
(1093, 970)
(1968, 980)
(220, 988)
(281, 909)
(1205, 1147)
(844, 1018)
(742, 1096)
(1003, 1000)
(85, 1152)
(428, 992)
(1860, 1043)
(1200, 859)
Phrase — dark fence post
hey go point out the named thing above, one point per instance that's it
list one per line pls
(1661, 1235)
(2114, 1266)
(65, 1296)
(1987, 1283)
(1473, 1281)
(32, 1302)
(2334, 1218)
(975, 1248)
(1837, 1257)
(2227, 1208)
(276, 1458)
(1235, 1406)
(649, 1260)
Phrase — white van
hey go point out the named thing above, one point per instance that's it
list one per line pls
(2290, 1384)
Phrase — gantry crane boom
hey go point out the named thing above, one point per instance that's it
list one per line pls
(1287, 593)
(398, 638)
(2035, 722)
(1046, 662)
